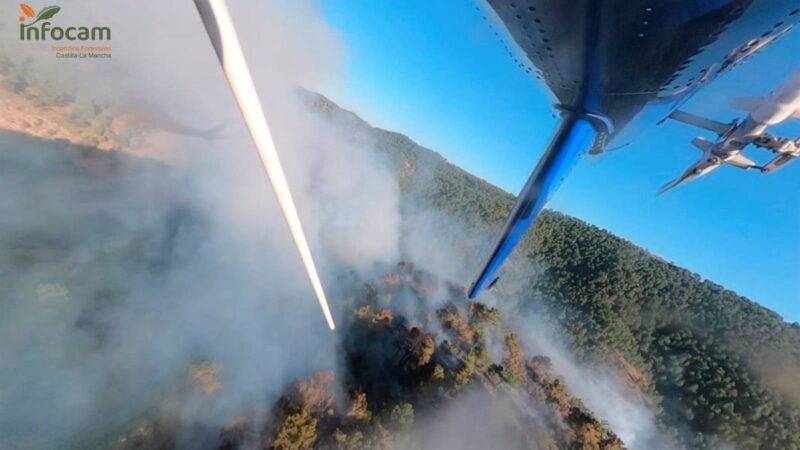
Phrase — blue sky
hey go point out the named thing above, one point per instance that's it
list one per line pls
(436, 72)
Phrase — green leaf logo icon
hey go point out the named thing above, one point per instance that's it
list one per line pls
(48, 13)
(44, 14)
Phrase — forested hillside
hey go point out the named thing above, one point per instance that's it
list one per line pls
(400, 377)
(719, 368)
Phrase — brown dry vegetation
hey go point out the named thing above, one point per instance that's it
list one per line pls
(83, 123)
(394, 381)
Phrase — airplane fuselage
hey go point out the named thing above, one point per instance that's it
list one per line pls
(642, 51)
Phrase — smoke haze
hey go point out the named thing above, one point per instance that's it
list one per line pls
(118, 274)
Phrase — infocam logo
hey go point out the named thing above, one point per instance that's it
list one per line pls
(37, 27)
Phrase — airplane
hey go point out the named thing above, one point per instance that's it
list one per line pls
(607, 63)
(613, 64)
(779, 106)
(727, 151)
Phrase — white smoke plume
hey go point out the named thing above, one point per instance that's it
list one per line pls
(477, 421)
(626, 413)
(118, 273)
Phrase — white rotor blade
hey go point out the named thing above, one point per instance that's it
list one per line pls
(220, 28)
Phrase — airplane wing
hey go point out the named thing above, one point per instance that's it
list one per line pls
(702, 144)
(697, 170)
(686, 176)
(778, 162)
(706, 165)
(574, 135)
(701, 122)
(741, 162)
(219, 26)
